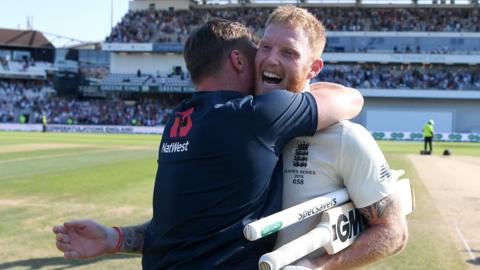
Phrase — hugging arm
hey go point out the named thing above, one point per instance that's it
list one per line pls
(335, 102)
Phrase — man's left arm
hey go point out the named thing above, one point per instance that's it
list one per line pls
(386, 235)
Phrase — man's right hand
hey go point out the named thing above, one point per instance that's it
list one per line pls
(81, 239)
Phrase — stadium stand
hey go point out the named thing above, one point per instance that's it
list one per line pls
(25, 54)
(25, 102)
(126, 79)
(407, 76)
(18, 97)
(369, 76)
(175, 25)
(369, 29)
(147, 80)
(415, 56)
(139, 74)
(27, 68)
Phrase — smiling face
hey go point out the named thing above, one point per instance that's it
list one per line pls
(283, 60)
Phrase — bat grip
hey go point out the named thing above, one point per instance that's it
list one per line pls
(296, 249)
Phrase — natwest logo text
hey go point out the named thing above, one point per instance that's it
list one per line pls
(174, 147)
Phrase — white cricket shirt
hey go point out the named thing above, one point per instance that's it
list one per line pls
(343, 155)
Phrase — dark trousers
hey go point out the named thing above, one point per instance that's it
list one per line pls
(429, 141)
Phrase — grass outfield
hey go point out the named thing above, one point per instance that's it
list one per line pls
(48, 178)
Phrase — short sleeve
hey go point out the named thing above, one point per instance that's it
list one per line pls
(279, 116)
(363, 166)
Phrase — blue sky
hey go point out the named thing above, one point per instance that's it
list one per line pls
(86, 20)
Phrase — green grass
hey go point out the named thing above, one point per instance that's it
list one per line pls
(429, 245)
(46, 179)
(101, 176)
(457, 148)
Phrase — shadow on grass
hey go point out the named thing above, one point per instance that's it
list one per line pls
(474, 262)
(60, 262)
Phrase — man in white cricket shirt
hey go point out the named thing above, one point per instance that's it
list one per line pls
(344, 155)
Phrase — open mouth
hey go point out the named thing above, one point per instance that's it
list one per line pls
(271, 78)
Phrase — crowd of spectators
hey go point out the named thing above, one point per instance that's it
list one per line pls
(22, 102)
(174, 25)
(15, 97)
(378, 76)
(146, 112)
(400, 19)
(403, 48)
(28, 101)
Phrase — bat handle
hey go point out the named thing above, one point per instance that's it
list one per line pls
(296, 249)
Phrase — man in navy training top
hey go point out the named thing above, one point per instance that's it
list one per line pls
(216, 158)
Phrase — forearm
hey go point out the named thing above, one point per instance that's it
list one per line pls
(385, 235)
(335, 102)
(372, 245)
(133, 238)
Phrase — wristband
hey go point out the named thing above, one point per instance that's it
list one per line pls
(118, 246)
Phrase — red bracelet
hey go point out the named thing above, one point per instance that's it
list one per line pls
(118, 246)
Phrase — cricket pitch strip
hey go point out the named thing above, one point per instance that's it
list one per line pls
(454, 183)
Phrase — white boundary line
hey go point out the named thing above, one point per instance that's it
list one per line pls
(469, 250)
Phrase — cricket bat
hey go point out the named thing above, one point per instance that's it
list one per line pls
(297, 213)
(338, 228)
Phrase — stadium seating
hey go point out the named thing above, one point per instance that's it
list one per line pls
(174, 26)
(362, 29)
(23, 99)
(126, 79)
(34, 70)
(391, 32)
(368, 76)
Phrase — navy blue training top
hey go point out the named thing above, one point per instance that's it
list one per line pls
(217, 156)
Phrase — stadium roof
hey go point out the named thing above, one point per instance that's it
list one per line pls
(23, 38)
